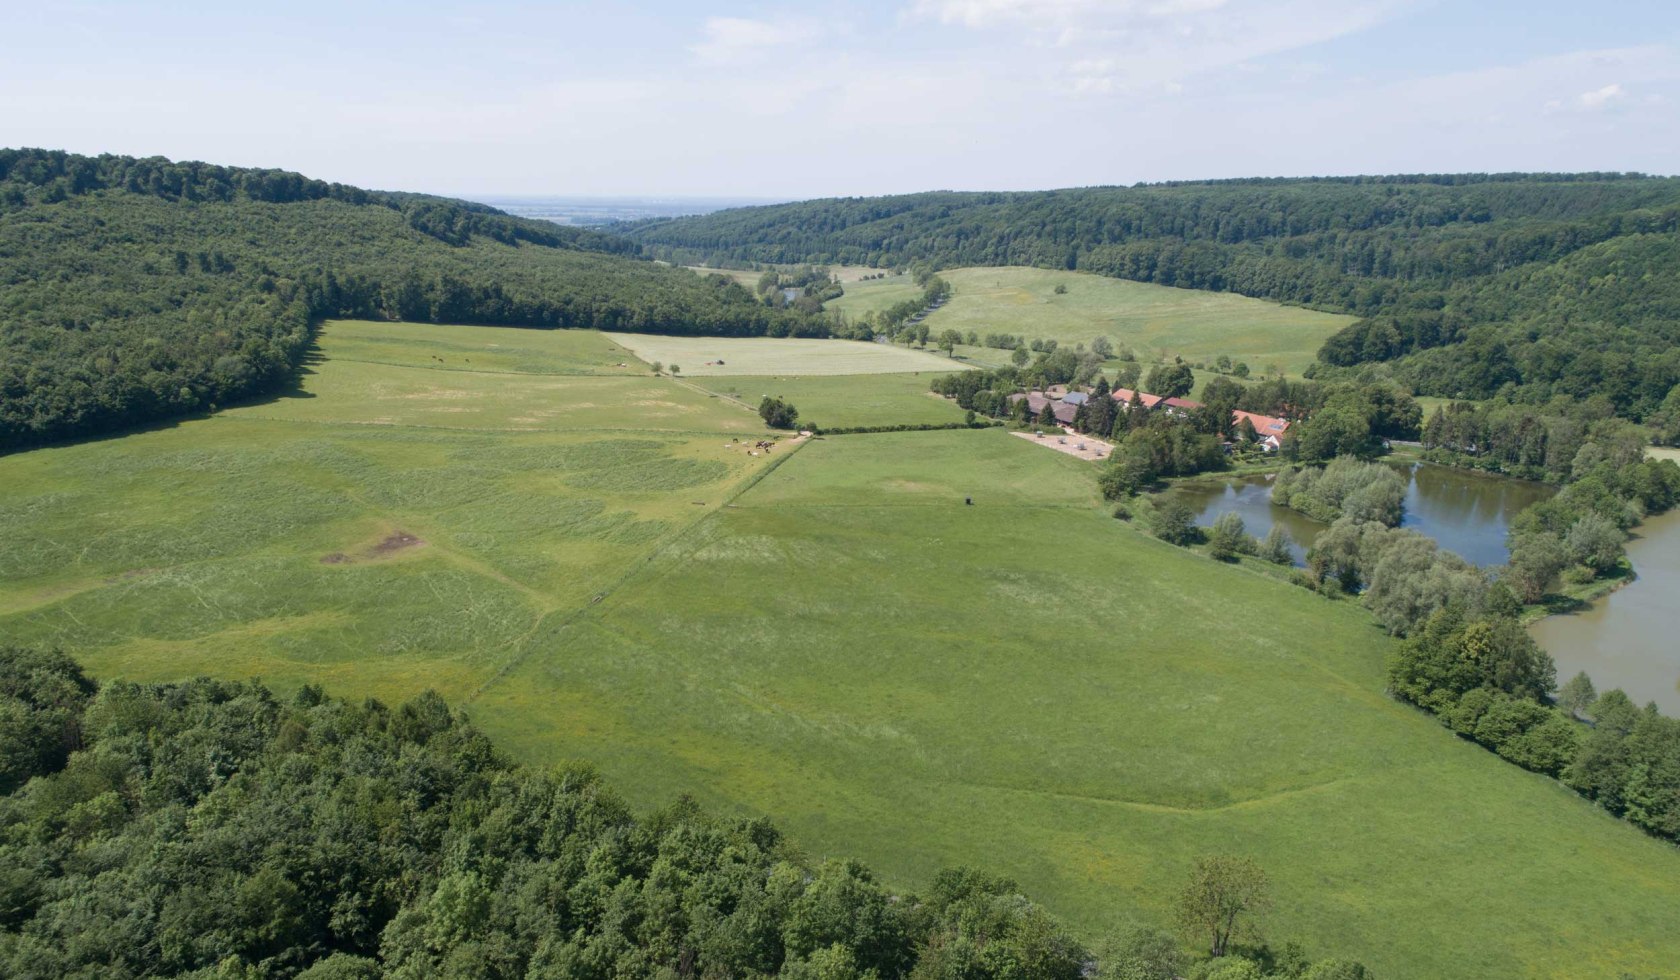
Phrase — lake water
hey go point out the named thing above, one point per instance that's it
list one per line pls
(1631, 638)
(1465, 512)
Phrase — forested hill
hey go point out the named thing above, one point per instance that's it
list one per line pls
(1534, 284)
(134, 290)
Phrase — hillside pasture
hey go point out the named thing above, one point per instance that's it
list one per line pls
(874, 295)
(1157, 322)
(777, 356)
(513, 350)
(384, 529)
(1030, 686)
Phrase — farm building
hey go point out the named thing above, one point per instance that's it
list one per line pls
(1124, 397)
(1270, 429)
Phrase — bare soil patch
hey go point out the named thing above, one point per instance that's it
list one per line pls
(1072, 443)
(394, 542)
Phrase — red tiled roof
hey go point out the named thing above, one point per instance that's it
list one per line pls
(1183, 403)
(1124, 397)
(1264, 425)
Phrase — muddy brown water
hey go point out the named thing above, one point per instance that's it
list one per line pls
(1631, 638)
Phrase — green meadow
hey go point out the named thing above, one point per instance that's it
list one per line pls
(1157, 322)
(587, 558)
(848, 400)
(874, 295)
(1030, 685)
(715, 356)
(402, 520)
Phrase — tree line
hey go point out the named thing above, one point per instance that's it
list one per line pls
(213, 829)
(140, 290)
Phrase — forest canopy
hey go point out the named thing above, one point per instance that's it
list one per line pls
(134, 290)
(1467, 286)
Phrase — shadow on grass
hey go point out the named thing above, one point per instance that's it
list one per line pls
(290, 388)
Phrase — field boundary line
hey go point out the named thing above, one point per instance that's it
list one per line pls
(639, 568)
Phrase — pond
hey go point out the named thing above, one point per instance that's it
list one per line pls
(1631, 638)
(1465, 512)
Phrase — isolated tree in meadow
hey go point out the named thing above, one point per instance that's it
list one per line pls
(948, 341)
(675, 370)
(658, 367)
(1224, 900)
(1103, 348)
(1019, 357)
(778, 414)
(1240, 369)
(1222, 364)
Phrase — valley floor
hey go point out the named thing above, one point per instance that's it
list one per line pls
(588, 558)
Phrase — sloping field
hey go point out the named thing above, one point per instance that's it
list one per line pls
(385, 529)
(479, 349)
(874, 295)
(847, 400)
(709, 356)
(1155, 321)
(1031, 686)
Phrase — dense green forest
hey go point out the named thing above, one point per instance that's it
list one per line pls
(140, 289)
(212, 829)
(1526, 285)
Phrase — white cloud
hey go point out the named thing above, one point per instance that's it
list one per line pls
(1151, 45)
(729, 40)
(1599, 98)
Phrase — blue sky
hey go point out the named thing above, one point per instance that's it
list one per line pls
(800, 100)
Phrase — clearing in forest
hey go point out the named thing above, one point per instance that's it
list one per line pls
(704, 356)
(1155, 321)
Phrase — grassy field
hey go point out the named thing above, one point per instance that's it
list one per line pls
(597, 569)
(875, 295)
(847, 400)
(709, 356)
(385, 529)
(1155, 321)
(1031, 686)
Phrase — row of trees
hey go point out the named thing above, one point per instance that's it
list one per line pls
(211, 829)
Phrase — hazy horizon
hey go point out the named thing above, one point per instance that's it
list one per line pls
(782, 101)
